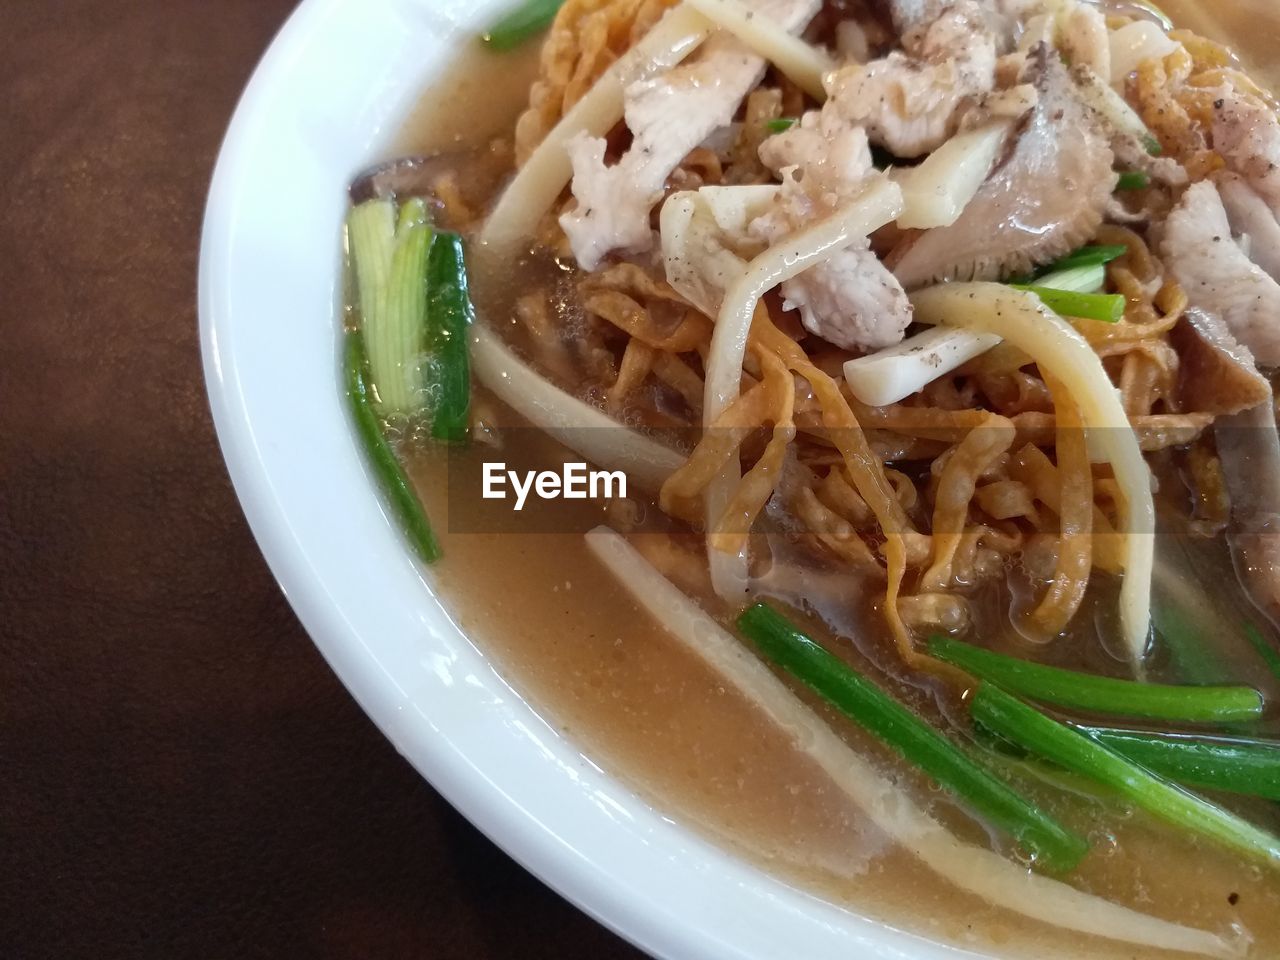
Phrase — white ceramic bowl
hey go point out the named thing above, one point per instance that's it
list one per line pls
(331, 91)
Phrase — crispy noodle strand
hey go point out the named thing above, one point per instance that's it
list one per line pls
(927, 496)
(1075, 518)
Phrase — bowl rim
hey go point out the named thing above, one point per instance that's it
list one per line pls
(661, 886)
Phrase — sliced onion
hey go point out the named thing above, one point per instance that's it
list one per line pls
(802, 63)
(896, 372)
(935, 192)
(578, 425)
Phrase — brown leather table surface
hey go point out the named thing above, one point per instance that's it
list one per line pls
(180, 774)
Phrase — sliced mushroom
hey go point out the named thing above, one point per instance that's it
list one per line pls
(466, 177)
(1044, 200)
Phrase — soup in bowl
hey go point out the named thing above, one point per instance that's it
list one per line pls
(852, 424)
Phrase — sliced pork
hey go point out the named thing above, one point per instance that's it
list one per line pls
(1084, 39)
(1198, 250)
(1253, 221)
(850, 300)
(668, 116)
(914, 99)
(1246, 132)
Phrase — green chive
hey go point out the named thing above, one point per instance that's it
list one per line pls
(871, 708)
(1235, 764)
(1133, 180)
(1083, 279)
(1077, 752)
(1066, 688)
(779, 124)
(1087, 256)
(386, 467)
(1107, 307)
(1192, 658)
(526, 21)
(1265, 650)
(1083, 257)
(449, 314)
(389, 254)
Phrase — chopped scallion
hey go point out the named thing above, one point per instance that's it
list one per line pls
(449, 313)
(389, 252)
(1087, 256)
(1267, 652)
(1192, 659)
(1235, 764)
(1029, 728)
(867, 705)
(1066, 688)
(525, 21)
(387, 471)
(1083, 279)
(1133, 180)
(779, 124)
(1107, 307)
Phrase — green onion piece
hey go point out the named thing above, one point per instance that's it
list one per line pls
(1193, 661)
(1152, 145)
(1234, 764)
(1107, 307)
(371, 242)
(413, 213)
(390, 268)
(1133, 180)
(1265, 650)
(525, 21)
(779, 124)
(1089, 256)
(382, 458)
(1086, 256)
(449, 313)
(1029, 728)
(1087, 278)
(1066, 688)
(867, 705)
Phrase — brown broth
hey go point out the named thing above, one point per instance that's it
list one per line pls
(583, 654)
(1250, 27)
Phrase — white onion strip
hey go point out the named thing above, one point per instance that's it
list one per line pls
(1020, 318)
(578, 425)
(878, 203)
(894, 373)
(803, 63)
(973, 869)
(936, 191)
(538, 183)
